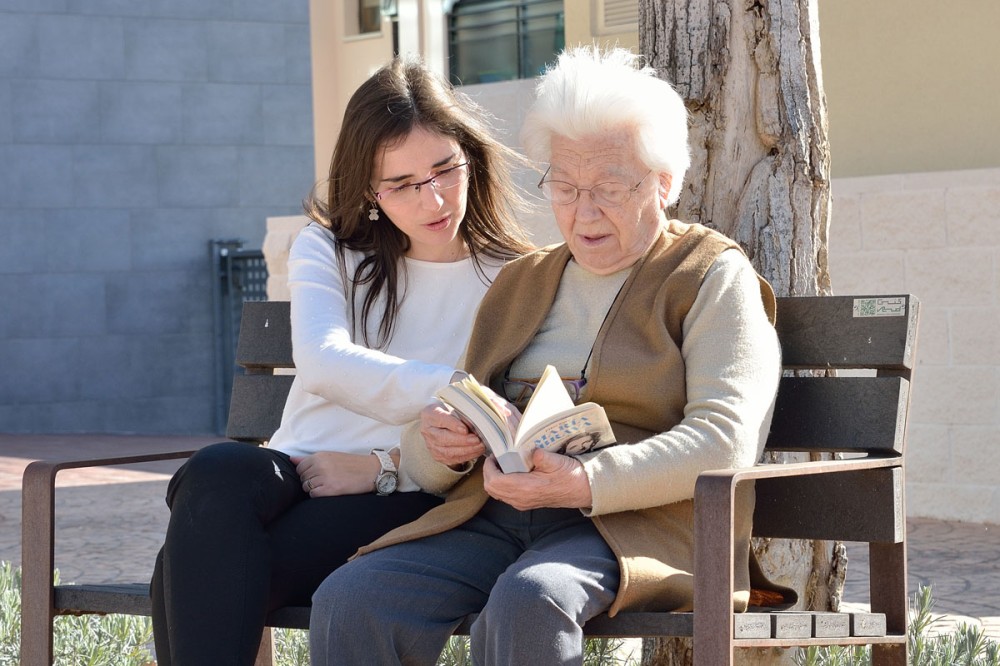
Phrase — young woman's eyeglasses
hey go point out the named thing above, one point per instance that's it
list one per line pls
(442, 180)
(603, 194)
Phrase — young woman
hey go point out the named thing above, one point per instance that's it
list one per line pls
(416, 222)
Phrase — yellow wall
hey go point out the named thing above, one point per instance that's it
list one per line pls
(911, 85)
(340, 64)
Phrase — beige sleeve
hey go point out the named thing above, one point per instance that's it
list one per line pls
(733, 364)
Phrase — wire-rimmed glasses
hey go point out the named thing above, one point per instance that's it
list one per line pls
(410, 193)
(610, 194)
(519, 391)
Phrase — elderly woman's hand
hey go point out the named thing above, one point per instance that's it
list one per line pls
(449, 440)
(557, 481)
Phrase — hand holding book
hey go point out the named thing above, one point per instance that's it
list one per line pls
(550, 421)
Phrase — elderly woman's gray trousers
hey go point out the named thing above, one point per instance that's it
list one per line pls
(534, 576)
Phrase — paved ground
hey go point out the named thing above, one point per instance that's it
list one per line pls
(110, 524)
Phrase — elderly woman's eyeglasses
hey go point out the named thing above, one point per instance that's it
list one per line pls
(410, 193)
(603, 194)
(519, 391)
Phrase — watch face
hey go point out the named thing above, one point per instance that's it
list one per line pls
(385, 484)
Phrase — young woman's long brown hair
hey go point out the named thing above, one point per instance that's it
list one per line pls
(398, 98)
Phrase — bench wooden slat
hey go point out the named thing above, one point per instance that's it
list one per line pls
(125, 598)
(133, 599)
(843, 414)
(859, 505)
(256, 406)
(265, 335)
(827, 332)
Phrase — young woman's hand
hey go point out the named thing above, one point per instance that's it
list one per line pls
(330, 473)
(449, 440)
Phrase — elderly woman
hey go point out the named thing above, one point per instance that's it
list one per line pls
(663, 323)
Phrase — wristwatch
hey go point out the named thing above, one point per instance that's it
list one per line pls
(387, 479)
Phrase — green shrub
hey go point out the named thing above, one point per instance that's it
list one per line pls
(125, 640)
(968, 645)
(88, 640)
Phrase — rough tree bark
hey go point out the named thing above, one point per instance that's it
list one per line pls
(749, 71)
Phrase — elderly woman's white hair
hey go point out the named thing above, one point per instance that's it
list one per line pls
(590, 91)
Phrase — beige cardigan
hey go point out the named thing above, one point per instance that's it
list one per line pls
(638, 374)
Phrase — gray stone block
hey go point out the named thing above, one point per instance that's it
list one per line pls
(40, 6)
(24, 248)
(248, 224)
(89, 240)
(35, 370)
(246, 52)
(56, 111)
(288, 118)
(161, 50)
(222, 113)
(287, 11)
(34, 176)
(81, 47)
(73, 416)
(146, 366)
(177, 365)
(275, 175)
(171, 238)
(298, 58)
(198, 175)
(175, 415)
(192, 9)
(122, 8)
(19, 45)
(6, 113)
(107, 175)
(158, 303)
(110, 367)
(51, 305)
(141, 112)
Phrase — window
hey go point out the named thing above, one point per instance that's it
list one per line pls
(498, 40)
(362, 16)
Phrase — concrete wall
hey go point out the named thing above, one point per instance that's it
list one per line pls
(935, 235)
(130, 135)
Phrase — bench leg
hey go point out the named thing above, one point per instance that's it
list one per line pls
(887, 566)
(37, 561)
(265, 654)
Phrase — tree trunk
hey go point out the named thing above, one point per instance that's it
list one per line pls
(749, 72)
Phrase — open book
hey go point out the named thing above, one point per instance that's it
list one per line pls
(550, 421)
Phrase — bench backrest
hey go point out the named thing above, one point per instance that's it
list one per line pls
(863, 414)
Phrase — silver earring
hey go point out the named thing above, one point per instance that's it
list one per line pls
(373, 213)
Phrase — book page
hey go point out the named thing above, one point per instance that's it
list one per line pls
(550, 397)
(474, 388)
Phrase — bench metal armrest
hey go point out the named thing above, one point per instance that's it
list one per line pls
(714, 522)
(38, 540)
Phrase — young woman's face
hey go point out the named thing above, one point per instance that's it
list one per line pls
(422, 185)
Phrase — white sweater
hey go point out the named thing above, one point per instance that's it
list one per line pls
(350, 398)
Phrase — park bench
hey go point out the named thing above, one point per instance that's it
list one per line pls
(857, 497)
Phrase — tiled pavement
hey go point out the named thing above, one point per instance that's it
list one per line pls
(110, 524)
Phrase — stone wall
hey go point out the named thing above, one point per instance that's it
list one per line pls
(132, 133)
(935, 235)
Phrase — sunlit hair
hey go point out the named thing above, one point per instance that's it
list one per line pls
(398, 98)
(590, 91)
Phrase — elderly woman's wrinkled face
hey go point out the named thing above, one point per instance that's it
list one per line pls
(606, 238)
